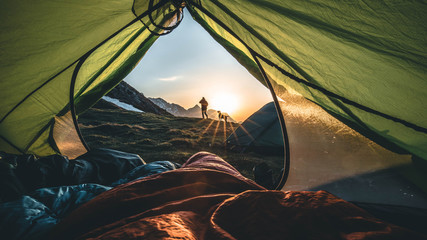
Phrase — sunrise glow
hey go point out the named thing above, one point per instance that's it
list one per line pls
(199, 67)
(225, 102)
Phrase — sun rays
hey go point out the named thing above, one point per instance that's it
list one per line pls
(227, 129)
(215, 132)
(205, 130)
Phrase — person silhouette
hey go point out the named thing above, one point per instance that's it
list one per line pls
(204, 104)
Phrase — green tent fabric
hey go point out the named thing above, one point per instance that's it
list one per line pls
(260, 132)
(364, 62)
(51, 50)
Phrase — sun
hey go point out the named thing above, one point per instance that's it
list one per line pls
(225, 102)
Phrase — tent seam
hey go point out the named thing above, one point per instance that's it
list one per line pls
(11, 144)
(39, 133)
(85, 56)
(80, 64)
(345, 100)
(366, 43)
(115, 56)
(158, 5)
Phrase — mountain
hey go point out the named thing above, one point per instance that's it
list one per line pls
(172, 108)
(195, 111)
(104, 104)
(126, 94)
(121, 104)
(179, 111)
(176, 109)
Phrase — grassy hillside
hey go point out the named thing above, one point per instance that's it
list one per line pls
(325, 154)
(156, 137)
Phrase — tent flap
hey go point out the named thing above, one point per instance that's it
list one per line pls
(363, 62)
(49, 48)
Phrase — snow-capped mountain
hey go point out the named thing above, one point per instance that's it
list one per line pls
(121, 104)
(127, 97)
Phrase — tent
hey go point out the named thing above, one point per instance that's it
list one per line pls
(260, 132)
(363, 62)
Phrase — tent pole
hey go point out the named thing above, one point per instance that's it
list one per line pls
(285, 174)
(72, 105)
(83, 59)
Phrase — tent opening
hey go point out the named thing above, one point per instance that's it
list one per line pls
(173, 76)
(344, 83)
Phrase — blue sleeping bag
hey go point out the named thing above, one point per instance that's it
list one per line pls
(32, 216)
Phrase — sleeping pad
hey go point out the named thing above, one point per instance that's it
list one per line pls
(208, 199)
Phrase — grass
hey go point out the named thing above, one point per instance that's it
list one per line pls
(156, 137)
(322, 149)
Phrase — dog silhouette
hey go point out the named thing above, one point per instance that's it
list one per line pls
(222, 115)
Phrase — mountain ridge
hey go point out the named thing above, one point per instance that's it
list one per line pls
(179, 111)
(127, 94)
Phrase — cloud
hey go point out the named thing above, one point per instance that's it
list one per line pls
(170, 79)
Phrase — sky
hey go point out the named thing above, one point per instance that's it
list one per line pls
(188, 64)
